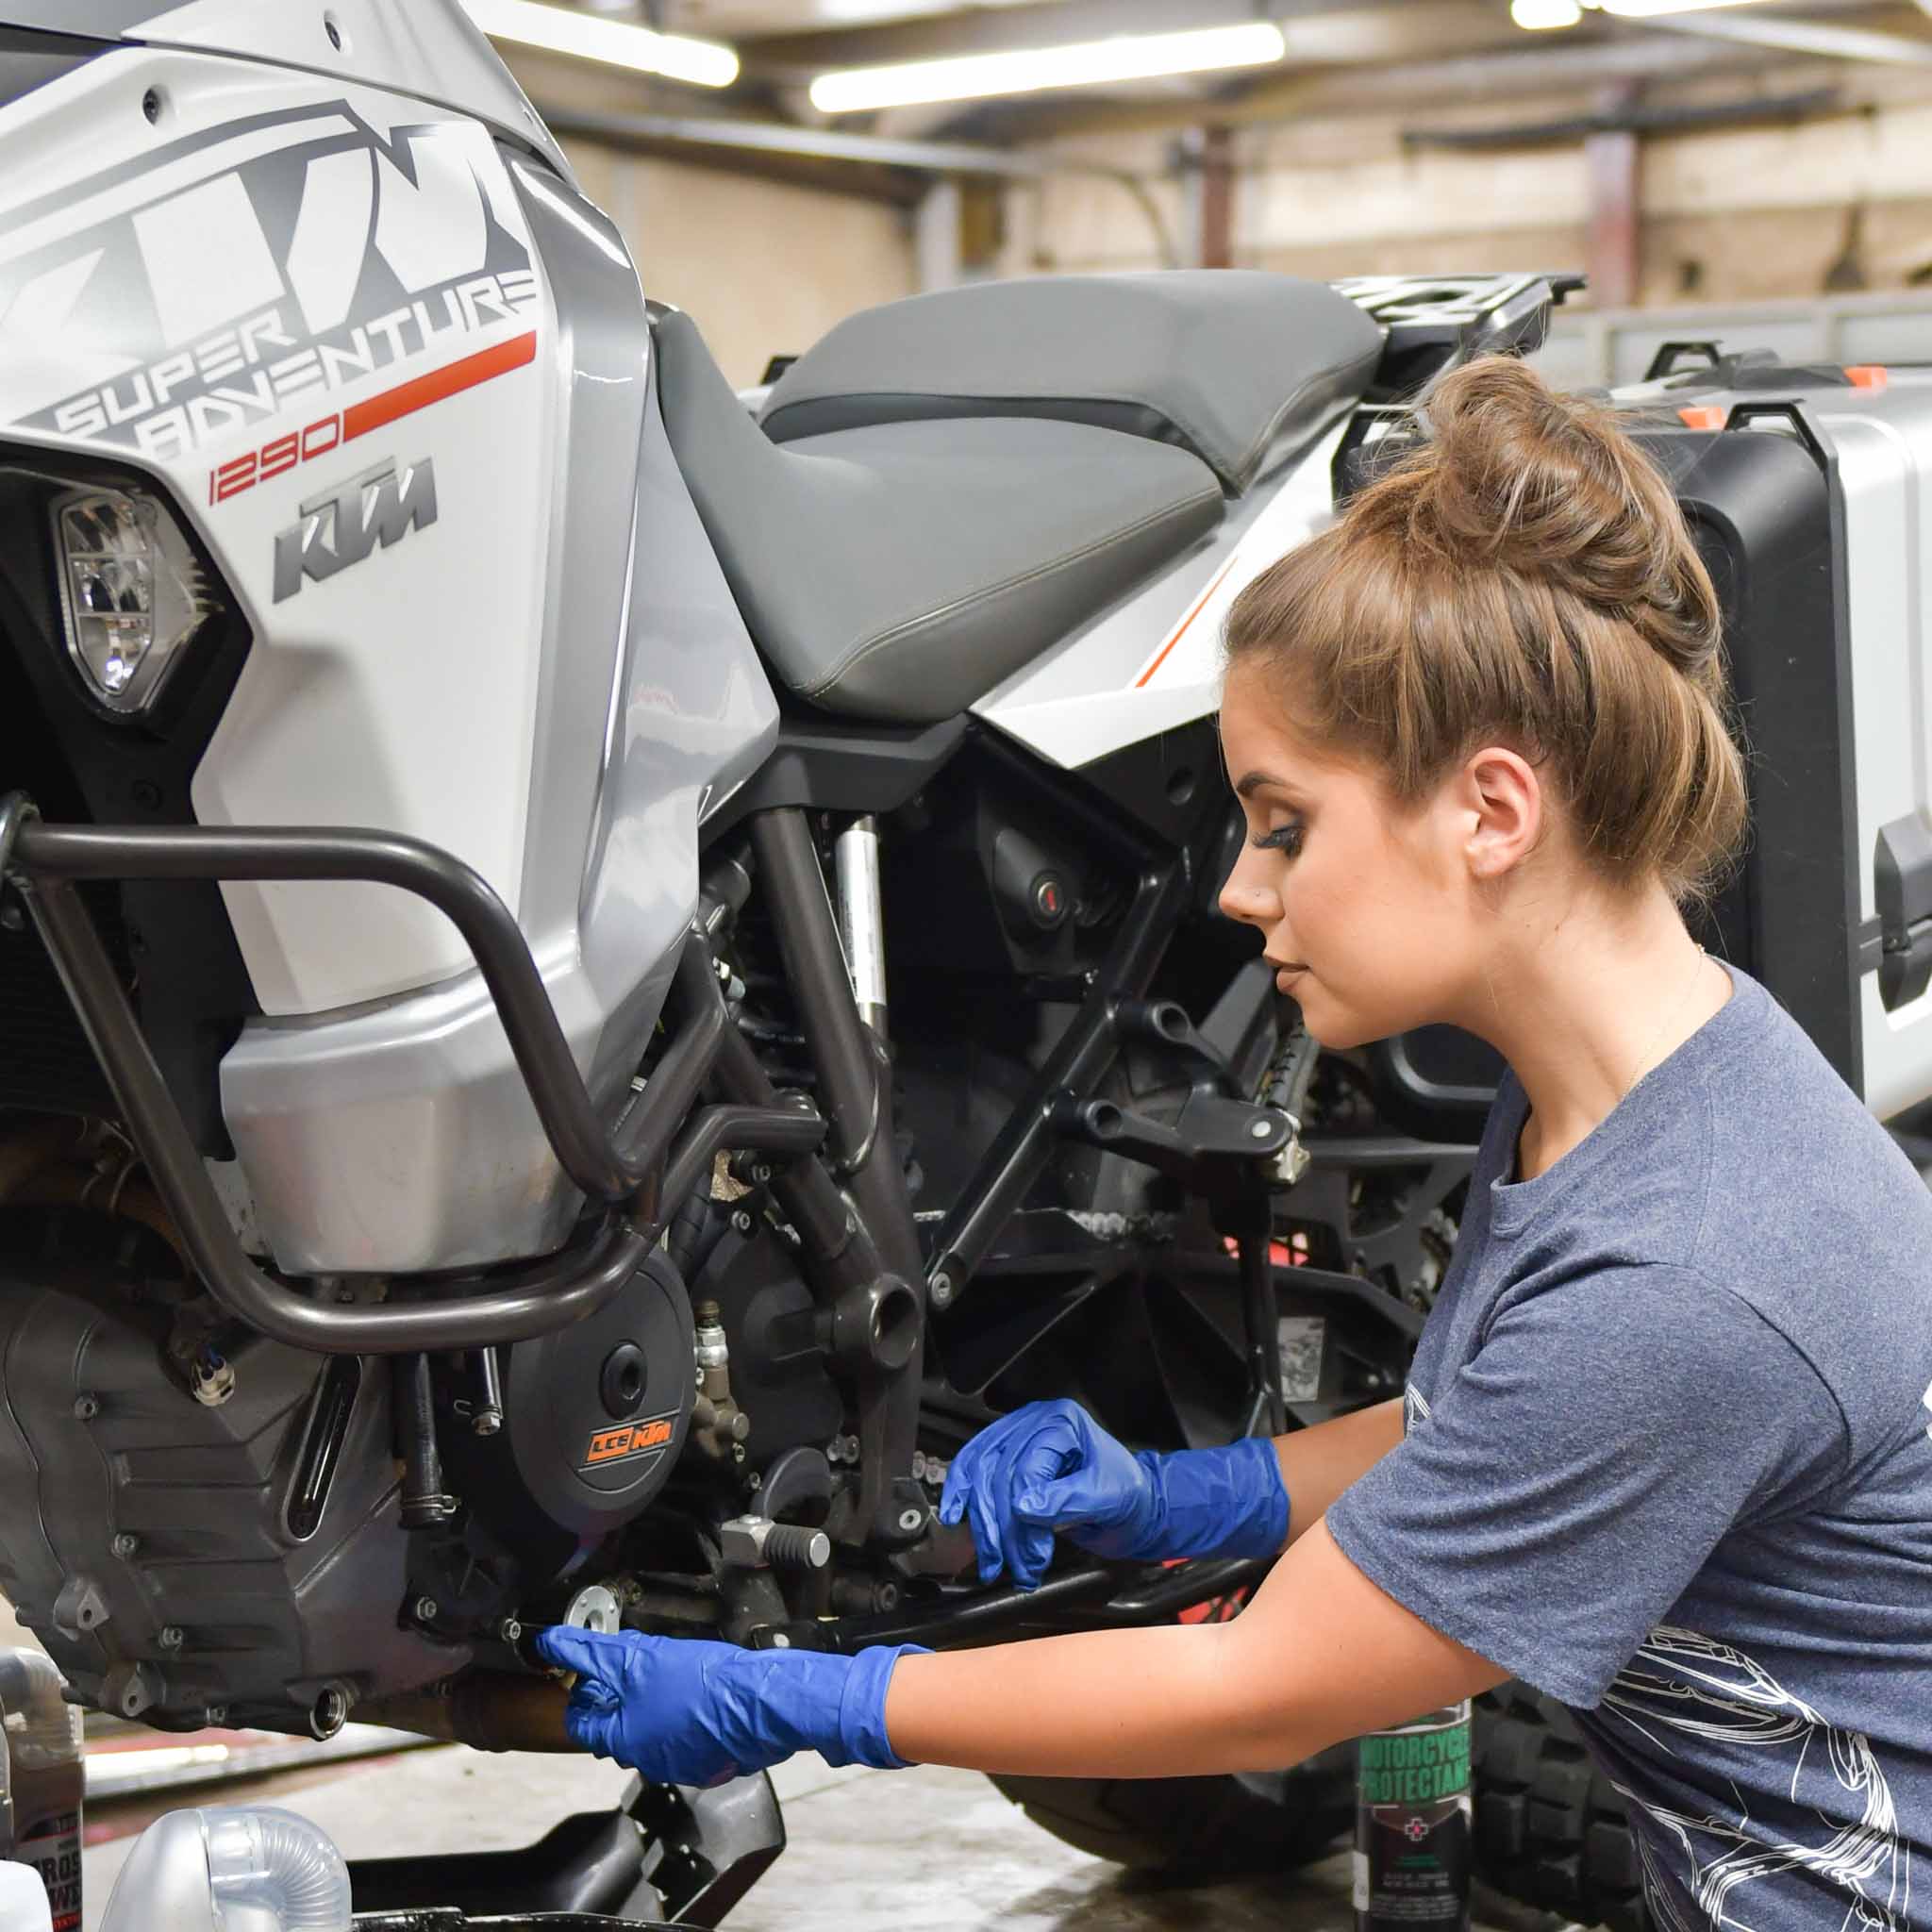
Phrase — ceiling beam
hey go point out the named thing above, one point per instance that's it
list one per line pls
(815, 144)
(1814, 36)
(879, 168)
(1634, 118)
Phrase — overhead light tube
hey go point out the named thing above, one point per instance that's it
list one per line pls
(702, 63)
(1540, 15)
(1093, 63)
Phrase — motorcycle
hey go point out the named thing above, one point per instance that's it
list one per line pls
(590, 988)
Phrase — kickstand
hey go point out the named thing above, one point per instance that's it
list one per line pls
(708, 1846)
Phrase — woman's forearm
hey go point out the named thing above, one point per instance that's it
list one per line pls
(1163, 1703)
(1318, 1464)
(1319, 1655)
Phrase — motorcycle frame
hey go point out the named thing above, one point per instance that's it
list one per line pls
(860, 1245)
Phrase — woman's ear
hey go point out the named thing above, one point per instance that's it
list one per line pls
(1499, 804)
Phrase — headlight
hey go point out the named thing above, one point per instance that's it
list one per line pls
(131, 592)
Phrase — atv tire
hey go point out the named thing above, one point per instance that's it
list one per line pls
(1549, 1831)
(1183, 1826)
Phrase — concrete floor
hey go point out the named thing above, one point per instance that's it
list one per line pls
(869, 1851)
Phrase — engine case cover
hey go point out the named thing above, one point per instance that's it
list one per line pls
(147, 1538)
(594, 1420)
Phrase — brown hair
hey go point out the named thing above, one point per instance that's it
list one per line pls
(1526, 575)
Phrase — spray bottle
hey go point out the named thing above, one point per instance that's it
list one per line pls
(1413, 1819)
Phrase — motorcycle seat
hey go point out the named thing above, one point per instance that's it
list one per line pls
(1226, 363)
(901, 570)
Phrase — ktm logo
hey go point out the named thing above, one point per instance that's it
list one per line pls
(342, 526)
(628, 1438)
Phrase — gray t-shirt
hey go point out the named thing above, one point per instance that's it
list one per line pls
(1669, 1459)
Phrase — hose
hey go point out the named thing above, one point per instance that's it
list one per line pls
(43, 1728)
(253, 1865)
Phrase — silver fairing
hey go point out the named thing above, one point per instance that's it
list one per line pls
(398, 1136)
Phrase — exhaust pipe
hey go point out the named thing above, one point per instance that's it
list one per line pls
(492, 1713)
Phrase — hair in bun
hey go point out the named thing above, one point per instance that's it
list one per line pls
(1525, 575)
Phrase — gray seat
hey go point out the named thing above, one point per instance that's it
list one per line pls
(1224, 363)
(901, 571)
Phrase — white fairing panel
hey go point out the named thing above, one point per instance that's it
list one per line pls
(1153, 662)
(401, 385)
(303, 306)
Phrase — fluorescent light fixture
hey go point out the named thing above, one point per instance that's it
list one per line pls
(703, 63)
(1540, 14)
(1130, 56)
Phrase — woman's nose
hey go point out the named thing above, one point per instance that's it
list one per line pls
(1247, 900)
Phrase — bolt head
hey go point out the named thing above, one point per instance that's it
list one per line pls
(426, 1610)
(1262, 1130)
(910, 1520)
(487, 1422)
(941, 1291)
(780, 1642)
(86, 1407)
(171, 1637)
(214, 1714)
(124, 1545)
(510, 1630)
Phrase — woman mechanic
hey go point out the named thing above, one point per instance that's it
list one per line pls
(1664, 1453)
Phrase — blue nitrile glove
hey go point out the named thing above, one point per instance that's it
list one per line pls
(1051, 1466)
(684, 1711)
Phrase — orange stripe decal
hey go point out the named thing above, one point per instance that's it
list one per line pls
(1200, 604)
(408, 397)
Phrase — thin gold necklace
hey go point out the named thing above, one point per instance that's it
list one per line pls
(1644, 1065)
(1641, 1066)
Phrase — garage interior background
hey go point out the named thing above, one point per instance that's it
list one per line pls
(1775, 151)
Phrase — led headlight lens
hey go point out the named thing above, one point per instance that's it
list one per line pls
(131, 592)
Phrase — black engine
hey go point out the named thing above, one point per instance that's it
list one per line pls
(214, 1536)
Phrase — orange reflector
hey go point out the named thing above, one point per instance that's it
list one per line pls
(1702, 416)
(1866, 376)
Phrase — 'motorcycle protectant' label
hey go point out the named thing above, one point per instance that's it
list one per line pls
(1413, 1817)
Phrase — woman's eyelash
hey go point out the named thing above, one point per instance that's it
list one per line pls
(1283, 839)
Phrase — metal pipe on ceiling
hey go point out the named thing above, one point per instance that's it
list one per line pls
(1638, 119)
(824, 143)
(1800, 36)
